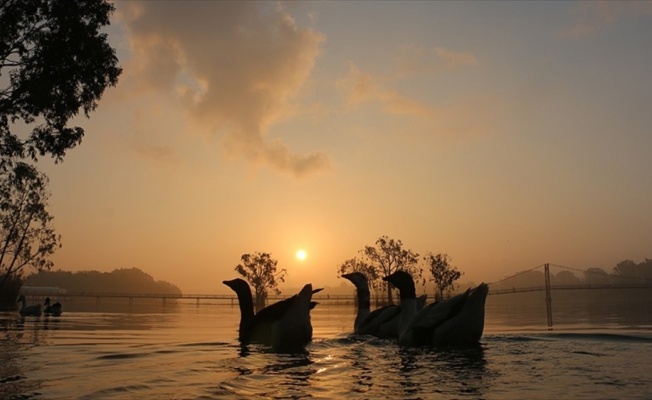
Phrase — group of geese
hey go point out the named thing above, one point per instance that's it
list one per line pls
(457, 321)
(35, 310)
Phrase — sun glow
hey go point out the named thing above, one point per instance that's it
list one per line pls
(301, 254)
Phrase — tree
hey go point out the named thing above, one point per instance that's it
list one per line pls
(442, 272)
(359, 265)
(259, 269)
(26, 236)
(626, 271)
(596, 276)
(388, 256)
(121, 280)
(645, 268)
(565, 278)
(58, 63)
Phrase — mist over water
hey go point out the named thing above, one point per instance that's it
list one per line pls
(185, 351)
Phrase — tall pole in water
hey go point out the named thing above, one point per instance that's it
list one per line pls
(546, 269)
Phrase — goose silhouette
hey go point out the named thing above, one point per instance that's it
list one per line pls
(455, 321)
(282, 325)
(52, 309)
(28, 311)
(382, 322)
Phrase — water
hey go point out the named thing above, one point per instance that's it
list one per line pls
(190, 352)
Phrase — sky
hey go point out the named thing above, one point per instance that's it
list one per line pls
(505, 134)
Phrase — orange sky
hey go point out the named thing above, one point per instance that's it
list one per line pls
(504, 134)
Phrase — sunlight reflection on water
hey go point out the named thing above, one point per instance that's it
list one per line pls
(191, 352)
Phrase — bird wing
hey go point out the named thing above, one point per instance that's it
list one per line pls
(426, 320)
(376, 319)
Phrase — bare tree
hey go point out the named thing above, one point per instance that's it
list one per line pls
(259, 269)
(388, 256)
(443, 273)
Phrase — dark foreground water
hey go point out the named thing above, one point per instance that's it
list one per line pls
(189, 352)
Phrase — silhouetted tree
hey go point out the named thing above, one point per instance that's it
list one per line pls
(9, 291)
(646, 270)
(358, 265)
(122, 280)
(58, 63)
(596, 276)
(388, 256)
(627, 269)
(26, 236)
(565, 278)
(259, 269)
(442, 272)
(522, 279)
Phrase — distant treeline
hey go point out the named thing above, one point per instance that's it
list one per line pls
(124, 280)
(623, 273)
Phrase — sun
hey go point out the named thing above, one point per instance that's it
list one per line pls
(301, 254)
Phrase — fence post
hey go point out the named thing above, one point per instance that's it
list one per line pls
(546, 269)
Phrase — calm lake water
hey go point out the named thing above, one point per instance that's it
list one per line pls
(187, 352)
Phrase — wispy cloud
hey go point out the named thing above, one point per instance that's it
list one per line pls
(360, 87)
(418, 60)
(595, 16)
(468, 114)
(233, 68)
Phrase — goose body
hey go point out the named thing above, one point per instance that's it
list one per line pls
(285, 324)
(455, 321)
(52, 309)
(382, 322)
(28, 311)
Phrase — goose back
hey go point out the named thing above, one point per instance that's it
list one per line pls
(455, 321)
(466, 326)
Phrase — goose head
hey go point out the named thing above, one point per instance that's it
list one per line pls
(357, 278)
(238, 285)
(47, 301)
(404, 283)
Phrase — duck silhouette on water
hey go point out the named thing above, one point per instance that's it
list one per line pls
(282, 325)
(52, 309)
(456, 321)
(383, 321)
(28, 311)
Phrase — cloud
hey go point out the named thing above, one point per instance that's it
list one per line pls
(413, 61)
(469, 113)
(234, 68)
(360, 87)
(416, 60)
(595, 16)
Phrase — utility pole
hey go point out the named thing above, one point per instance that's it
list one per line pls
(546, 269)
